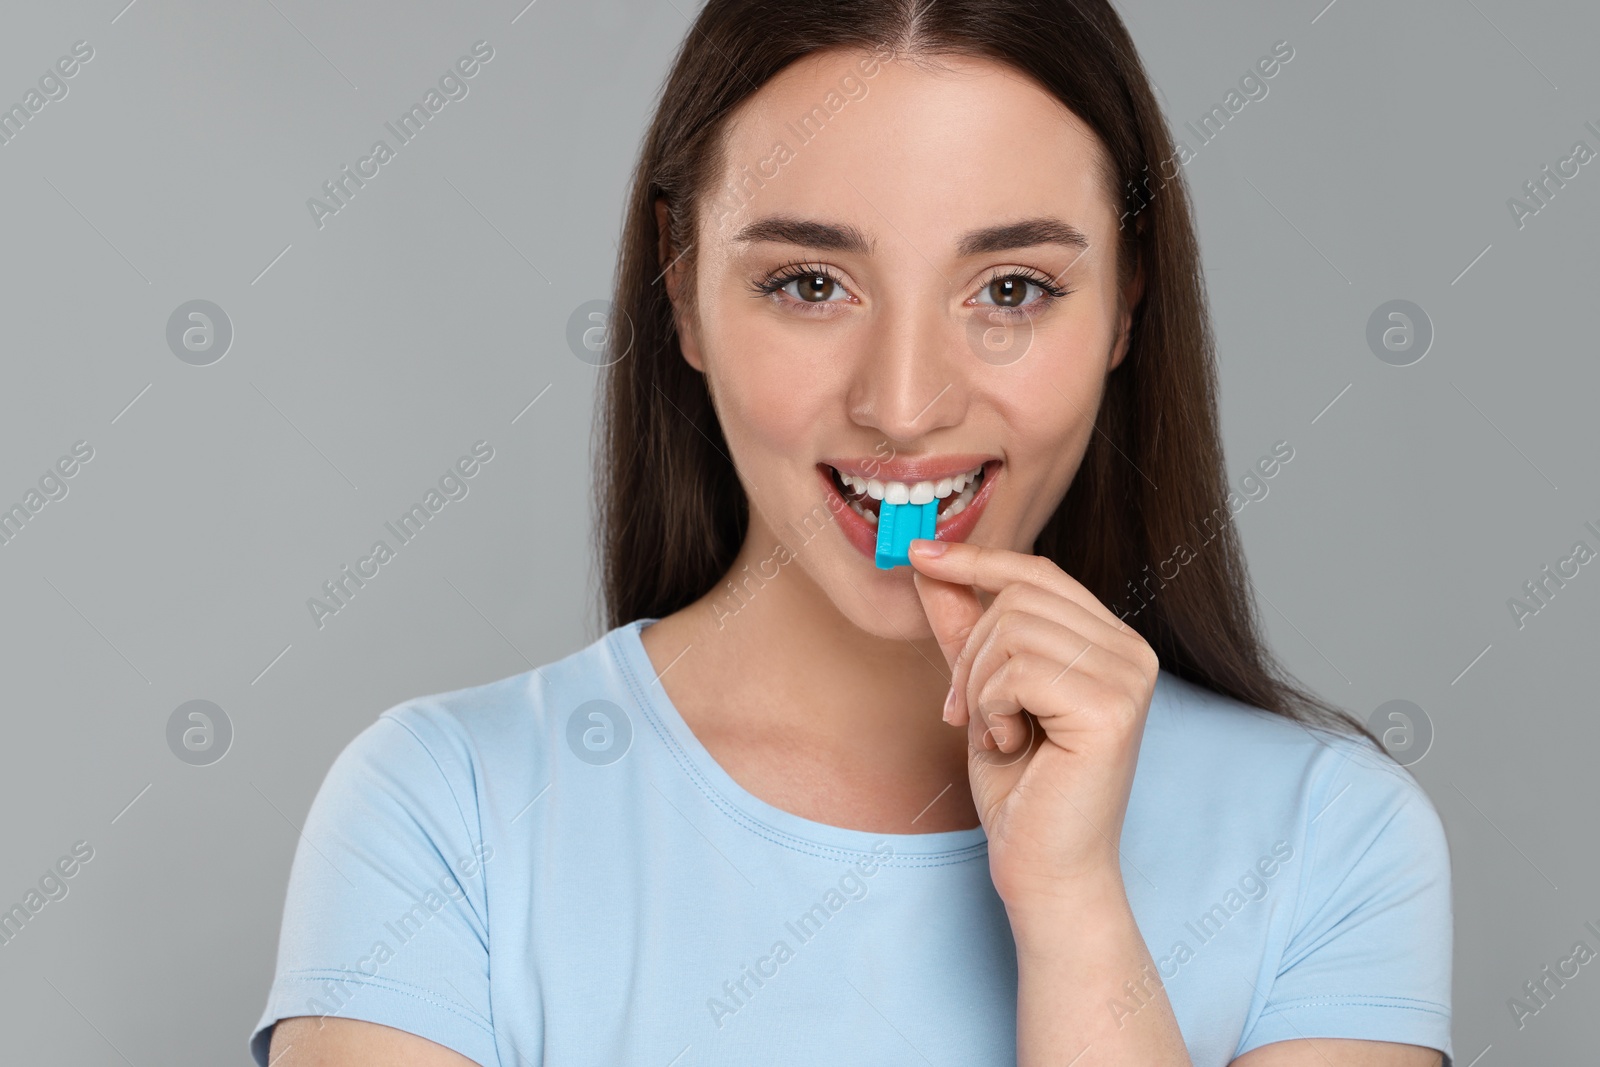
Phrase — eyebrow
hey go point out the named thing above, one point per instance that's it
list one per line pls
(832, 237)
(1024, 234)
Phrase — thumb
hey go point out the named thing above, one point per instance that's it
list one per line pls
(952, 610)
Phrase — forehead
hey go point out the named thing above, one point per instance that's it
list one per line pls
(908, 148)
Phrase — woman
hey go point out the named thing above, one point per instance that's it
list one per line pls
(888, 250)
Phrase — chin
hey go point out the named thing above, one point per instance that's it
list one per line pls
(885, 606)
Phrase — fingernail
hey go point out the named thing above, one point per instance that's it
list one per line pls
(929, 548)
(950, 704)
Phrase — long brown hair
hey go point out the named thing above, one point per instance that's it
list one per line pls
(671, 510)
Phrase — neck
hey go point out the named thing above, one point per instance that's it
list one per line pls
(784, 656)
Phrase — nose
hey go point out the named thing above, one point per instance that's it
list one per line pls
(908, 380)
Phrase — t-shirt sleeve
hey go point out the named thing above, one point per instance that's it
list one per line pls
(1368, 954)
(386, 914)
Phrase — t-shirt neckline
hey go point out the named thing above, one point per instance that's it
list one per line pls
(758, 815)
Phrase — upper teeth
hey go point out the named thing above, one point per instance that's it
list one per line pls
(911, 492)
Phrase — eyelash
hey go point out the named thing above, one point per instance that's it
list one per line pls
(804, 271)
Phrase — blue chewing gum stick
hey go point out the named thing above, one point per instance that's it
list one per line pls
(898, 526)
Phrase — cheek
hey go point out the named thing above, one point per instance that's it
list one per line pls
(765, 410)
(1048, 401)
(776, 388)
(1051, 394)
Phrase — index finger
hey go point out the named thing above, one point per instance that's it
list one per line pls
(992, 569)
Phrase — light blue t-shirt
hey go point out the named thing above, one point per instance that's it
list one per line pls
(551, 870)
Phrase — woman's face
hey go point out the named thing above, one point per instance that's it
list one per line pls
(905, 276)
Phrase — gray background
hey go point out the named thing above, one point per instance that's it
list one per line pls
(371, 353)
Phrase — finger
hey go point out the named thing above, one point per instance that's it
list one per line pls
(1082, 611)
(1021, 601)
(1002, 701)
(1015, 606)
(1009, 731)
(992, 569)
(1015, 633)
(999, 729)
(952, 611)
(1070, 707)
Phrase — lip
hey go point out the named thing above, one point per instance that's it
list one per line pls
(928, 469)
(865, 537)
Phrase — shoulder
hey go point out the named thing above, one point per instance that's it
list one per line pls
(398, 844)
(1320, 854)
(1241, 772)
(1332, 854)
(457, 739)
(1201, 735)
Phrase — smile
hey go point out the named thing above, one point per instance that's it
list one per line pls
(865, 494)
(963, 485)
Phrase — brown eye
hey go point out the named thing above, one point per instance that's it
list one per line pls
(803, 284)
(1009, 292)
(815, 289)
